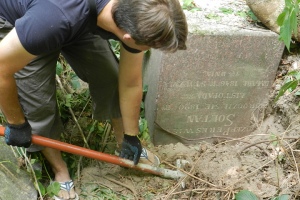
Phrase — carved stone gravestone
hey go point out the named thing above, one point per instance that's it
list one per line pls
(219, 86)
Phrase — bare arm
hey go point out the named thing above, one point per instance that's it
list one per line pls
(130, 89)
(13, 57)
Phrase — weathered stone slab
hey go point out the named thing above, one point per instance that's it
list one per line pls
(215, 88)
(16, 184)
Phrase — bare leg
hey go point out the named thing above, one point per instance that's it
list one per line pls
(60, 170)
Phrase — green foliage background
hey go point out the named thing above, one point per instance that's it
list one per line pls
(288, 21)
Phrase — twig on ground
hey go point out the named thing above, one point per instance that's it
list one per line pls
(201, 189)
(296, 165)
(288, 128)
(189, 174)
(250, 174)
(13, 150)
(87, 103)
(122, 184)
(264, 141)
(107, 130)
(33, 172)
(171, 191)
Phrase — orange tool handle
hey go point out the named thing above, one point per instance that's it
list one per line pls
(69, 148)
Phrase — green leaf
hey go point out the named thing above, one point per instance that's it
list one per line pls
(195, 9)
(213, 16)
(288, 3)
(252, 15)
(245, 195)
(273, 137)
(281, 18)
(187, 3)
(226, 10)
(32, 161)
(59, 68)
(92, 128)
(41, 188)
(53, 189)
(297, 76)
(293, 73)
(68, 98)
(241, 14)
(285, 30)
(38, 174)
(288, 22)
(293, 21)
(145, 88)
(75, 82)
(141, 128)
(100, 128)
(282, 197)
(285, 87)
(297, 93)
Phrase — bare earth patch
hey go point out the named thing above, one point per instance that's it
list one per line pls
(264, 163)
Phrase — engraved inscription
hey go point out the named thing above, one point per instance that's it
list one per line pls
(221, 95)
(256, 83)
(226, 119)
(207, 106)
(222, 130)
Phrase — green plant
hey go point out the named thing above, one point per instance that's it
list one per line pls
(34, 163)
(143, 124)
(247, 195)
(99, 192)
(189, 5)
(115, 46)
(241, 14)
(287, 21)
(226, 10)
(213, 16)
(53, 189)
(71, 93)
(252, 16)
(290, 84)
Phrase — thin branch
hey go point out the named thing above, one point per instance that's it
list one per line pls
(191, 175)
(72, 113)
(122, 184)
(252, 173)
(33, 173)
(265, 141)
(296, 165)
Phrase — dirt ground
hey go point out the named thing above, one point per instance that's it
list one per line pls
(265, 162)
